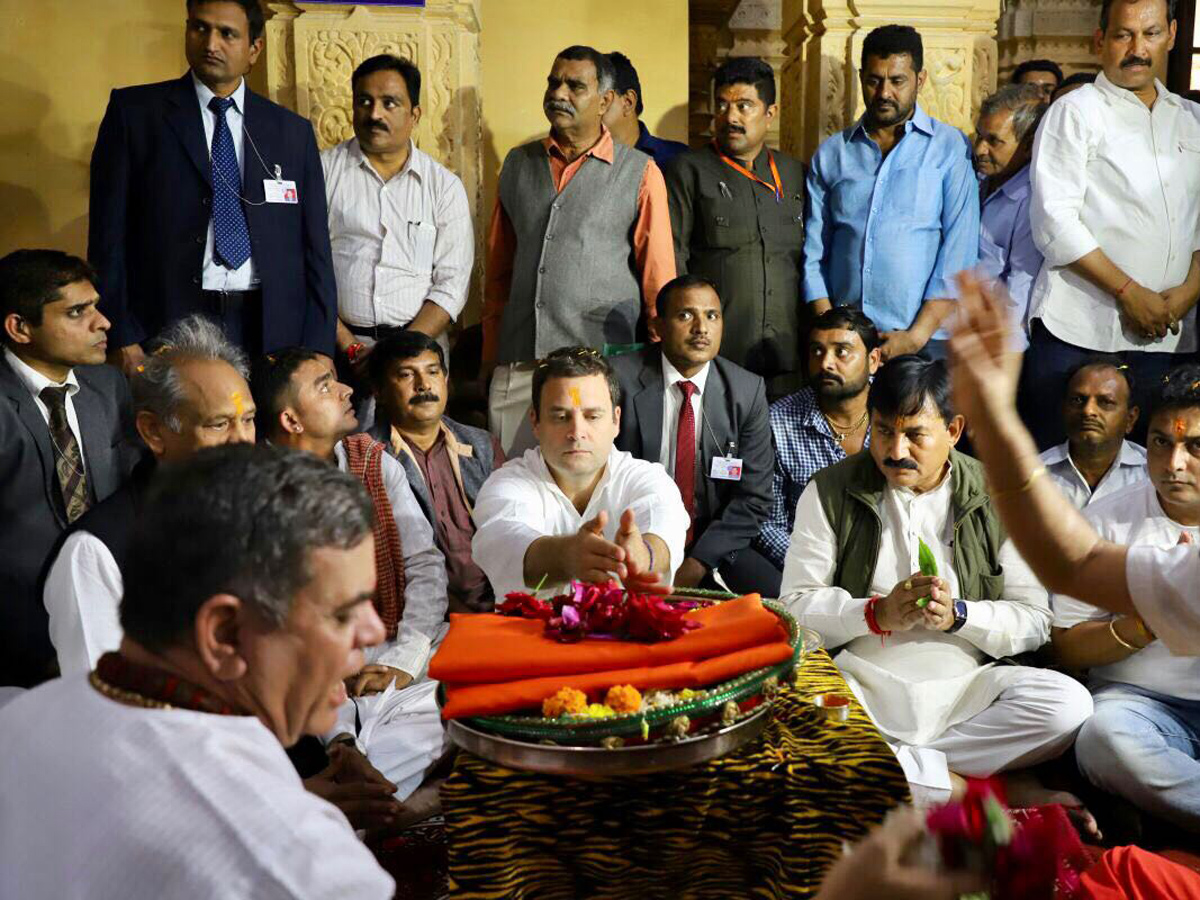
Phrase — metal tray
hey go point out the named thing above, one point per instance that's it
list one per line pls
(601, 762)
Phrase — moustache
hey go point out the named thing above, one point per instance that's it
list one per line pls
(907, 464)
(379, 126)
(830, 379)
(426, 397)
(560, 107)
(1134, 61)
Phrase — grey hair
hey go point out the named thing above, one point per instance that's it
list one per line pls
(157, 387)
(1026, 103)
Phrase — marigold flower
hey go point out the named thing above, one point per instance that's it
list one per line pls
(623, 698)
(565, 702)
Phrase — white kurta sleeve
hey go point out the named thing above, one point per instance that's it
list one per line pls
(425, 580)
(83, 595)
(808, 571)
(1165, 587)
(1016, 623)
(510, 515)
(1060, 181)
(657, 508)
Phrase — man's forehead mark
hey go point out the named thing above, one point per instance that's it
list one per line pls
(238, 406)
(1180, 428)
(574, 392)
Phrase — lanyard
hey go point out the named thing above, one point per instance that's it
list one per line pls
(776, 189)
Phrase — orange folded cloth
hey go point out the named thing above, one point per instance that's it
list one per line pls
(466, 701)
(489, 648)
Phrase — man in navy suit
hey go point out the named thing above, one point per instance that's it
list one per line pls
(64, 422)
(717, 445)
(208, 198)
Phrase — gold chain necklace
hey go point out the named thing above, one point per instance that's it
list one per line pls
(840, 436)
(129, 698)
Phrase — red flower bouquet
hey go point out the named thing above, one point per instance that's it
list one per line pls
(606, 611)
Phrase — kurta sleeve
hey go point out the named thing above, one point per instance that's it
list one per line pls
(1016, 623)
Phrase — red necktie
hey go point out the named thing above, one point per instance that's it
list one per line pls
(685, 452)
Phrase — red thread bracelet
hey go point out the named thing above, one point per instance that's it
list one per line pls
(1127, 283)
(869, 615)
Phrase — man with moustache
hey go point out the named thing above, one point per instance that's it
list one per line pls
(162, 773)
(1142, 741)
(920, 651)
(1116, 213)
(893, 205)
(208, 198)
(704, 419)
(1096, 459)
(1004, 134)
(391, 715)
(821, 424)
(737, 208)
(399, 224)
(446, 462)
(579, 244)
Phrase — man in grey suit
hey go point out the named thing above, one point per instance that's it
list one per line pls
(705, 419)
(64, 418)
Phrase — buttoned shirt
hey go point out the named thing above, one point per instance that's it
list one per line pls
(521, 503)
(804, 444)
(672, 405)
(886, 234)
(215, 276)
(1113, 174)
(1007, 252)
(661, 150)
(397, 243)
(35, 382)
(1128, 468)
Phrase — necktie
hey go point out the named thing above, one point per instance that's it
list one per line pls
(231, 235)
(68, 460)
(685, 452)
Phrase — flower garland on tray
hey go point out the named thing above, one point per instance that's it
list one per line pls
(607, 611)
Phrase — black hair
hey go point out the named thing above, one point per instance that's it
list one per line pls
(29, 279)
(1106, 8)
(254, 14)
(1101, 361)
(271, 385)
(387, 62)
(850, 319)
(237, 519)
(904, 384)
(627, 77)
(1038, 65)
(1180, 390)
(397, 348)
(893, 40)
(747, 70)
(681, 283)
(606, 75)
(574, 362)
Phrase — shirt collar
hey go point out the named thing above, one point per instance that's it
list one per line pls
(1119, 93)
(1017, 187)
(671, 376)
(34, 380)
(543, 473)
(204, 95)
(602, 149)
(1130, 454)
(919, 120)
(415, 164)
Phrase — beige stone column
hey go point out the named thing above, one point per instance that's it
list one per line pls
(1059, 30)
(824, 44)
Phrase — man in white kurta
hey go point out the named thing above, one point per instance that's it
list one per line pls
(928, 675)
(574, 507)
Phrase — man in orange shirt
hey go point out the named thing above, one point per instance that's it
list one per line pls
(579, 245)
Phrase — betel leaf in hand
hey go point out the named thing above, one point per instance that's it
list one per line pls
(928, 564)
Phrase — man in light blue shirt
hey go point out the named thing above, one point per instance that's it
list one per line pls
(893, 208)
(1003, 147)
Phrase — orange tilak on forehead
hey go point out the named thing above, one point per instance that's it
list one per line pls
(1180, 429)
(575, 401)
(238, 405)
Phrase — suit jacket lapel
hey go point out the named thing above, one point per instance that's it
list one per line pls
(258, 138)
(31, 418)
(649, 406)
(183, 115)
(102, 472)
(716, 415)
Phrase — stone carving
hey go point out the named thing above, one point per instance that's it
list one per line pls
(945, 95)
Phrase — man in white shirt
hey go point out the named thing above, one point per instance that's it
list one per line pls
(1096, 460)
(1143, 742)
(925, 670)
(399, 223)
(574, 507)
(190, 394)
(391, 714)
(1116, 213)
(250, 607)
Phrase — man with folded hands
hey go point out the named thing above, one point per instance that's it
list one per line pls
(924, 653)
(574, 507)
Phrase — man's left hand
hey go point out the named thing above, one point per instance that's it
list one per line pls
(374, 679)
(938, 615)
(629, 538)
(900, 343)
(1180, 300)
(691, 573)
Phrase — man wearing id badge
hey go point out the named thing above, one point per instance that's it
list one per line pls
(208, 198)
(705, 420)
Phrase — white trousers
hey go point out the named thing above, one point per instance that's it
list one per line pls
(1032, 720)
(509, 399)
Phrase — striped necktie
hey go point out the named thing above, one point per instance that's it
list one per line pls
(68, 459)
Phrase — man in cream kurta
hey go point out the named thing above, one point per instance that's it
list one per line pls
(928, 675)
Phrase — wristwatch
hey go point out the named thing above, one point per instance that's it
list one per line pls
(960, 616)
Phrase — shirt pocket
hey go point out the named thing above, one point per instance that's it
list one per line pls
(421, 239)
(725, 225)
(915, 197)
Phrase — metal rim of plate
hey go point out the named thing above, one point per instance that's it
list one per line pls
(600, 762)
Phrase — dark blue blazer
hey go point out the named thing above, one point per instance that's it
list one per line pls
(151, 204)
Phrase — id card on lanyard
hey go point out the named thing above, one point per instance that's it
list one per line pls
(776, 188)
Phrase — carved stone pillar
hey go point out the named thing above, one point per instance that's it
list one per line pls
(312, 49)
(755, 29)
(824, 41)
(1060, 30)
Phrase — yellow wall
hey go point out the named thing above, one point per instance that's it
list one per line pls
(60, 58)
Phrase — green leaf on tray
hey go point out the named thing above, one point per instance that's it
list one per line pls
(928, 565)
